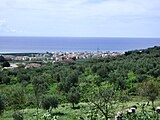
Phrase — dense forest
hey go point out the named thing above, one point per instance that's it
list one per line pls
(124, 87)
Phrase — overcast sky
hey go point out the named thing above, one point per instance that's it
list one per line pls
(80, 18)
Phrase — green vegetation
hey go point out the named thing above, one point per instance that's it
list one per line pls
(73, 96)
(84, 89)
(49, 102)
(2, 106)
(2, 59)
(150, 90)
(5, 64)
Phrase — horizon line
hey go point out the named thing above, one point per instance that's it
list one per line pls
(77, 37)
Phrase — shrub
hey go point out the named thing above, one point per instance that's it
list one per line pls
(150, 90)
(5, 64)
(73, 96)
(17, 115)
(2, 105)
(50, 102)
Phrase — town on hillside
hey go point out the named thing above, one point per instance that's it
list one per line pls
(36, 59)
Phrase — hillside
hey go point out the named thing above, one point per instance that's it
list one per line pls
(101, 86)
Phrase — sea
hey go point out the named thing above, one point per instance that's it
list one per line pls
(74, 44)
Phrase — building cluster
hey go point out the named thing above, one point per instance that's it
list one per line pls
(60, 56)
(36, 59)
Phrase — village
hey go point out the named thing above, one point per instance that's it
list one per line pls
(31, 60)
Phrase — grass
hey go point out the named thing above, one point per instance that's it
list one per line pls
(65, 111)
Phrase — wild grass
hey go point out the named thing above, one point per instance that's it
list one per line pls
(82, 111)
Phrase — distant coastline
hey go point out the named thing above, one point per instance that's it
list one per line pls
(73, 44)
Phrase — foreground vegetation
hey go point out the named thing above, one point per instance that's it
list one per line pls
(125, 86)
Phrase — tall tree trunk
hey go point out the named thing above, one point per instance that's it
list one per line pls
(37, 114)
(73, 105)
(50, 110)
(37, 107)
(153, 104)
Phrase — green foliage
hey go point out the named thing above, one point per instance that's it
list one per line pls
(17, 115)
(50, 102)
(40, 85)
(6, 64)
(2, 105)
(6, 80)
(14, 97)
(141, 113)
(73, 96)
(150, 90)
(73, 78)
(104, 100)
(131, 78)
(2, 59)
(70, 81)
(57, 77)
(89, 79)
(23, 78)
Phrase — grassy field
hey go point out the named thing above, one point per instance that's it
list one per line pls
(83, 111)
(64, 112)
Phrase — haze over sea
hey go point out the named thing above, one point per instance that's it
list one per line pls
(77, 44)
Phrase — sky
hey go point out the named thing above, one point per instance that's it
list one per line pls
(80, 18)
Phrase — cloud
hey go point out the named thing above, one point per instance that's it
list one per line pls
(92, 17)
(5, 27)
(83, 8)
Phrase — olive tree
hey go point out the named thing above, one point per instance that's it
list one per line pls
(73, 96)
(103, 99)
(40, 85)
(14, 97)
(150, 90)
(49, 102)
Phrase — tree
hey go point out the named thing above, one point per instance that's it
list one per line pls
(131, 78)
(57, 77)
(73, 96)
(39, 86)
(73, 78)
(5, 64)
(19, 98)
(103, 100)
(23, 78)
(15, 97)
(2, 105)
(64, 86)
(103, 71)
(50, 102)
(150, 90)
(6, 80)
(70, 81)
(2, 59)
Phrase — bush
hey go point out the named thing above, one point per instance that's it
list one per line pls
(2, 105)
(150, 90)
(2, 59)
(73, 96)
(6, 80)
(50, 102)
(18, 115)
(5, 64)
